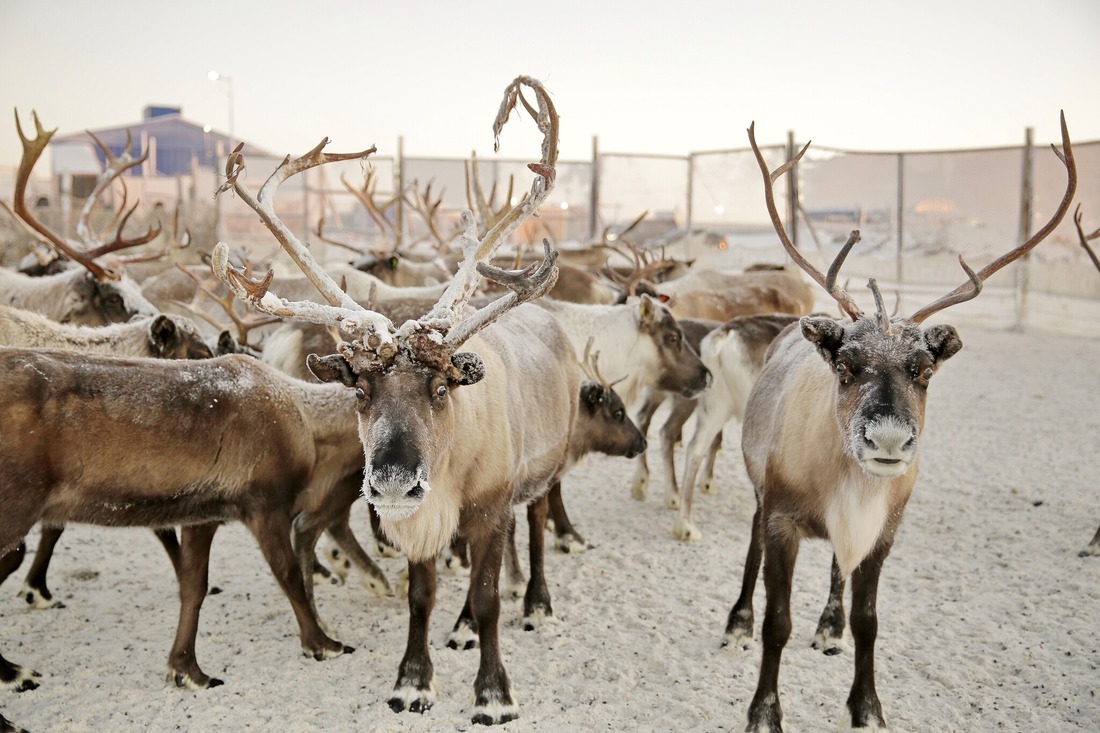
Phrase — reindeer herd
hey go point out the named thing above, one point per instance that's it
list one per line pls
(447, 398)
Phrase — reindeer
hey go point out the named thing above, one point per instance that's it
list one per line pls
(720, 296)
(246, 443)
(451, 437)
(159, 337)
(830, 440)
(734, 353)
(639, 340)
(95, 295)
(602, 426)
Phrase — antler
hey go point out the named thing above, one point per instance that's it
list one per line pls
(435, 337)
(827, 281)
(591, 366)
(365, 196)
(428, 208)
(263, 204)
(32, 151)
(1085, 238)
(116, 166)
(244, 324)
(485, 206)
(973, 286)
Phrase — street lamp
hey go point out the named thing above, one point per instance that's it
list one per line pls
(228, 80)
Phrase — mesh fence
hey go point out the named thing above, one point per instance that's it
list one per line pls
(917, 212)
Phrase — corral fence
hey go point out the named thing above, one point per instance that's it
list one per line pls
(917, 213)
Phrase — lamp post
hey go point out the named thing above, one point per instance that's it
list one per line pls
(228, 81)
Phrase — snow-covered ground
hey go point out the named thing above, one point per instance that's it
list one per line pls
(988, 619)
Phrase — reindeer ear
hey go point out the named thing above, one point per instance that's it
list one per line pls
(646, 307)
(469, 366)
(825, 333)
(226, 343)
(591, 396)
(331, 368)
(943, 342)
(162, 333)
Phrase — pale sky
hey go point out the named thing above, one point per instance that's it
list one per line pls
(645, 77)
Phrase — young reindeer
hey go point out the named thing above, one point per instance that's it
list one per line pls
(830, 440)
(451, 438)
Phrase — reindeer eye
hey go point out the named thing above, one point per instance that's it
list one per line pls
(927, 374)
(844, 372)
(360, 394)
(441, 391)
(619, 415)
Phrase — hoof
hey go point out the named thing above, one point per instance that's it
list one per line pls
(686, 531)
(39, 600)
(571, 544)
(322, 654)
(463, 637)
(413, 699)
(186, 681)
(709, 487)
(830, 646)
(536, 618)
(737, 639)
(495, 713)
(378, 586)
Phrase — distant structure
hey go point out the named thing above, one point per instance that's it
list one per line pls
(177, 147)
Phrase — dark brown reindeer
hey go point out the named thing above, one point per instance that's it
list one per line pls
(602, 426)
(830, 441)
(451, 437)
(158, 337)
(245, 443)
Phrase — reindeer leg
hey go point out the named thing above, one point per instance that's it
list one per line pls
(569, 539)
(780, 552)
(306, 528)
(272, 530)
(536, 602)
(640, 482)
(740, 620)
(415, 689)
(464, 633)
(515, 581)
(457, 556)
(373, 577)
(830, 628)
(708, 423)
(493, 701)
(863, 703)
(671, 434)
(11, 560)
(183, 667)
(707, 485)
(35, 591)
(16, 678)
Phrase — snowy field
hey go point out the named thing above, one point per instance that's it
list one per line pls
(988, 619)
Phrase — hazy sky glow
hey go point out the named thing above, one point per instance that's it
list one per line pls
(665, 78)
